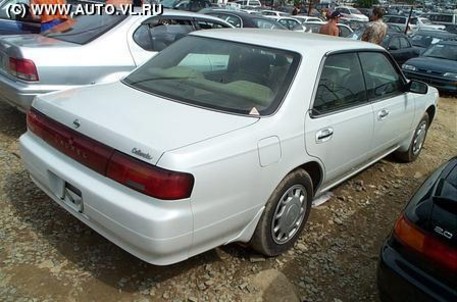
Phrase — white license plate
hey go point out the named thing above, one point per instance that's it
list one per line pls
(66, 192)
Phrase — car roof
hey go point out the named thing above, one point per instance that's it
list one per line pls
(289, 40)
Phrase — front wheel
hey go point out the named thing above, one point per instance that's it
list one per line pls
(417, 142)
(285, 215)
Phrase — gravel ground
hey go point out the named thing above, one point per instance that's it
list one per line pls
(48, 255)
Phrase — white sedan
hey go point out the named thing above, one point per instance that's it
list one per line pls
(225, 136)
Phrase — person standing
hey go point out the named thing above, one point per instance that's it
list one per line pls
(49, 21)
(331, 27)
(376, 30)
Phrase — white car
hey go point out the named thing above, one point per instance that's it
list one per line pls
(421, 23)
(351, 13)
(225, 136)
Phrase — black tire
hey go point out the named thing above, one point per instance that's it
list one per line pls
(415, 147)
(292, 197)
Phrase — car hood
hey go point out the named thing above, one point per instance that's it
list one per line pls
(433, 64)
(136, 123)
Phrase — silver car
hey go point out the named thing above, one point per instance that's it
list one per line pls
(96, 49)
(224, 136)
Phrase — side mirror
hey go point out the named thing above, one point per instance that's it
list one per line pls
(417, 87)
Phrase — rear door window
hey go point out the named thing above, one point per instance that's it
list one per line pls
(341, 84)
(381, 77)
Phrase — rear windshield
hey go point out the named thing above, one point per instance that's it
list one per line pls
(221, 75)
(83, 29)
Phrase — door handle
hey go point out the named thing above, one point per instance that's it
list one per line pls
(383, 114)
(324, 135)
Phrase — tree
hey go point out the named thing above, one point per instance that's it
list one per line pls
(366, 3)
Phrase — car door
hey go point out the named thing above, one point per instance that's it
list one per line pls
(339, 126)
(394, 47)
(408, 50)
(393, 109)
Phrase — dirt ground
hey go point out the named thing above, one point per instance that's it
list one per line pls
(47, 255)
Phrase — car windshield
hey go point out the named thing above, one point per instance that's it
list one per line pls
(442, 51)
(83, 29)
(221, 75)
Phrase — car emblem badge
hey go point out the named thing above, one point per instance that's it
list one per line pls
(76, 123)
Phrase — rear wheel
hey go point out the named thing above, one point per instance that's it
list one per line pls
(417, 142)
(285, 215)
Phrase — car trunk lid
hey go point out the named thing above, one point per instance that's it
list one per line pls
(133, 122)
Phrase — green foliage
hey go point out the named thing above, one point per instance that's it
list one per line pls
(367, 3)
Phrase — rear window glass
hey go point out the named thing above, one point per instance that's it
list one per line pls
(83, 29)
(221, 75)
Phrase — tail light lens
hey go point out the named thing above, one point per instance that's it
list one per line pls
(147, 179)
(23, 69)
(425, 244)
(127, 170)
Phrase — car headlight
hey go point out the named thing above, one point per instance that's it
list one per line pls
(450, 75)
(409, 67)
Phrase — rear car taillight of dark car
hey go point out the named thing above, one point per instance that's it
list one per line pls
(418, 262)
(127, 170)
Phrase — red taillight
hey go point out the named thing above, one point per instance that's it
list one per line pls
(428, 246)
(127, 170)
(77, 146)
(150, 180)
(23, 69)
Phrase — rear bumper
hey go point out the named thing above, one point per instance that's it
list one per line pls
(158, 232)
(399, 280)
(21, 94)
(16, 94)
